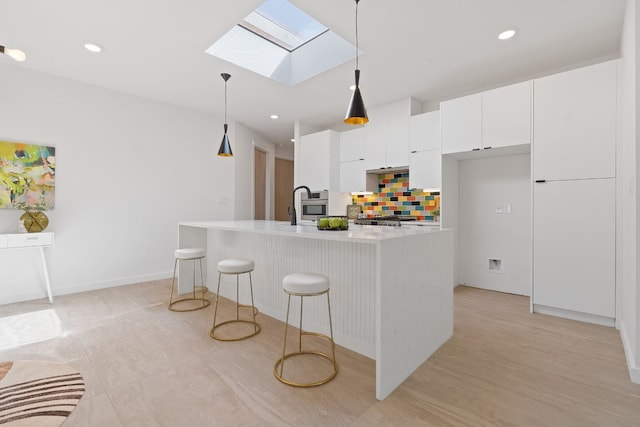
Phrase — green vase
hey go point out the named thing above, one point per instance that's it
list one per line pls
(34, 221)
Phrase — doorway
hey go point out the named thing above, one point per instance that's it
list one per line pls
(260, 184)
(284, 187)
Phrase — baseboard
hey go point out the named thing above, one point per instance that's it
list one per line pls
(84, 287)
(574, 315)
(634, 370)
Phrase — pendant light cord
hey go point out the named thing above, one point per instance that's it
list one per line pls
(225, 102)
(357, 34)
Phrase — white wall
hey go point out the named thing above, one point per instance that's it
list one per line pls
(485, 184)
(128, 170)
(628, 181)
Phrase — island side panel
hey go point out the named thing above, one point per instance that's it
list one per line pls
(349, 266)
(415, 305)
(190, 237)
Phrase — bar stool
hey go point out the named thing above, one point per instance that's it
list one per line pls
(306, 285)
(235, 266)
(189, 254)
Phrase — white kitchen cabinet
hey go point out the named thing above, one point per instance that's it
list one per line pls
(461, 124)
(376, 145)
(319, 159)
(574, 247)
(424, 131)
(397, 143)
(425, 159)
(575, 124)
(425, 169)
(506, 115)
(387, 144)
(352, 145)
(353, 176)
(489, 120)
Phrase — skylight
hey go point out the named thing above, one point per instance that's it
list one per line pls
(283, 43)
(283, 24)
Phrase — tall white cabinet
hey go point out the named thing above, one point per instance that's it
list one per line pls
(425, 158)
(574, 194)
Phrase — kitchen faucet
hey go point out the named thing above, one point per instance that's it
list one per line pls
(292, 212)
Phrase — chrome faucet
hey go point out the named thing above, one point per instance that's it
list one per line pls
(292, 211)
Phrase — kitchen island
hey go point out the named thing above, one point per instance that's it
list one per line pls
(391, 287)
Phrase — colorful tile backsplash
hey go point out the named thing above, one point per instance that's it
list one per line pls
(395, 198)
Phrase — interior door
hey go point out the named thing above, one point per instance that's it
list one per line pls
(260, 184)
(284, 187)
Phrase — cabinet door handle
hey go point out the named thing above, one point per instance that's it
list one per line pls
(487, 148)
(475, 149)
(540, 181)
(414, 151)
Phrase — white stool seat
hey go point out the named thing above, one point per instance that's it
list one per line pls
(305, 283)
(190, 253)
(235, 266)
(184, 304)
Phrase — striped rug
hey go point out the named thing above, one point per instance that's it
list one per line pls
(37, 393)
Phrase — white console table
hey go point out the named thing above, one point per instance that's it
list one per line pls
(31, 240)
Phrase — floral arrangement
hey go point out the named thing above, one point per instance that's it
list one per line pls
(42, 205)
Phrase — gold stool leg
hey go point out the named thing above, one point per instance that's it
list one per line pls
(279, 375)
(254, 311)
(173, 282)
(205, 302)
(284, 346)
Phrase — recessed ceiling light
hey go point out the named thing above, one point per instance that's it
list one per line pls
(92, 47)
(274, 116)
(507, 34)
(293, 140)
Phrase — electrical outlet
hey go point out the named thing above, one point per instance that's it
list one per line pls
(507, 208)
(499, 209)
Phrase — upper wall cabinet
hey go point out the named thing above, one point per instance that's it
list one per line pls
(424, 132)
(387, 143)
(575, 124)
(320, 161)
(506, 115)
(352, 145)
(461, 124)
(487, 120)
(352, 163)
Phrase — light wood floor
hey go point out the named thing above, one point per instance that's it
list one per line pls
(147, 366)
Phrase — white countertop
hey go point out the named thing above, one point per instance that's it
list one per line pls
(362, 233)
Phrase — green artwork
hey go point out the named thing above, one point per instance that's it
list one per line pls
(27, 176)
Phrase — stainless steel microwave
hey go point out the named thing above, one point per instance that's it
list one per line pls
(315, 206)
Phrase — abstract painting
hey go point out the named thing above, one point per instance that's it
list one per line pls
(27, 176)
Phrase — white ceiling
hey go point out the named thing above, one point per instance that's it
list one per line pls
(428, 49)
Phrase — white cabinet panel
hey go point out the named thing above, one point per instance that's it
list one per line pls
(319, 156)
(461, 124)
(575, 124)
(353, 176)
(425, 169)
(352, 145)
(375, 150)
(506, 115)
(397, 143)
(574, 245)
(424, 131)
(387, 144)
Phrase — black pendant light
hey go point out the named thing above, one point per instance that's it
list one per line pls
(356, 113)
(225, 147)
